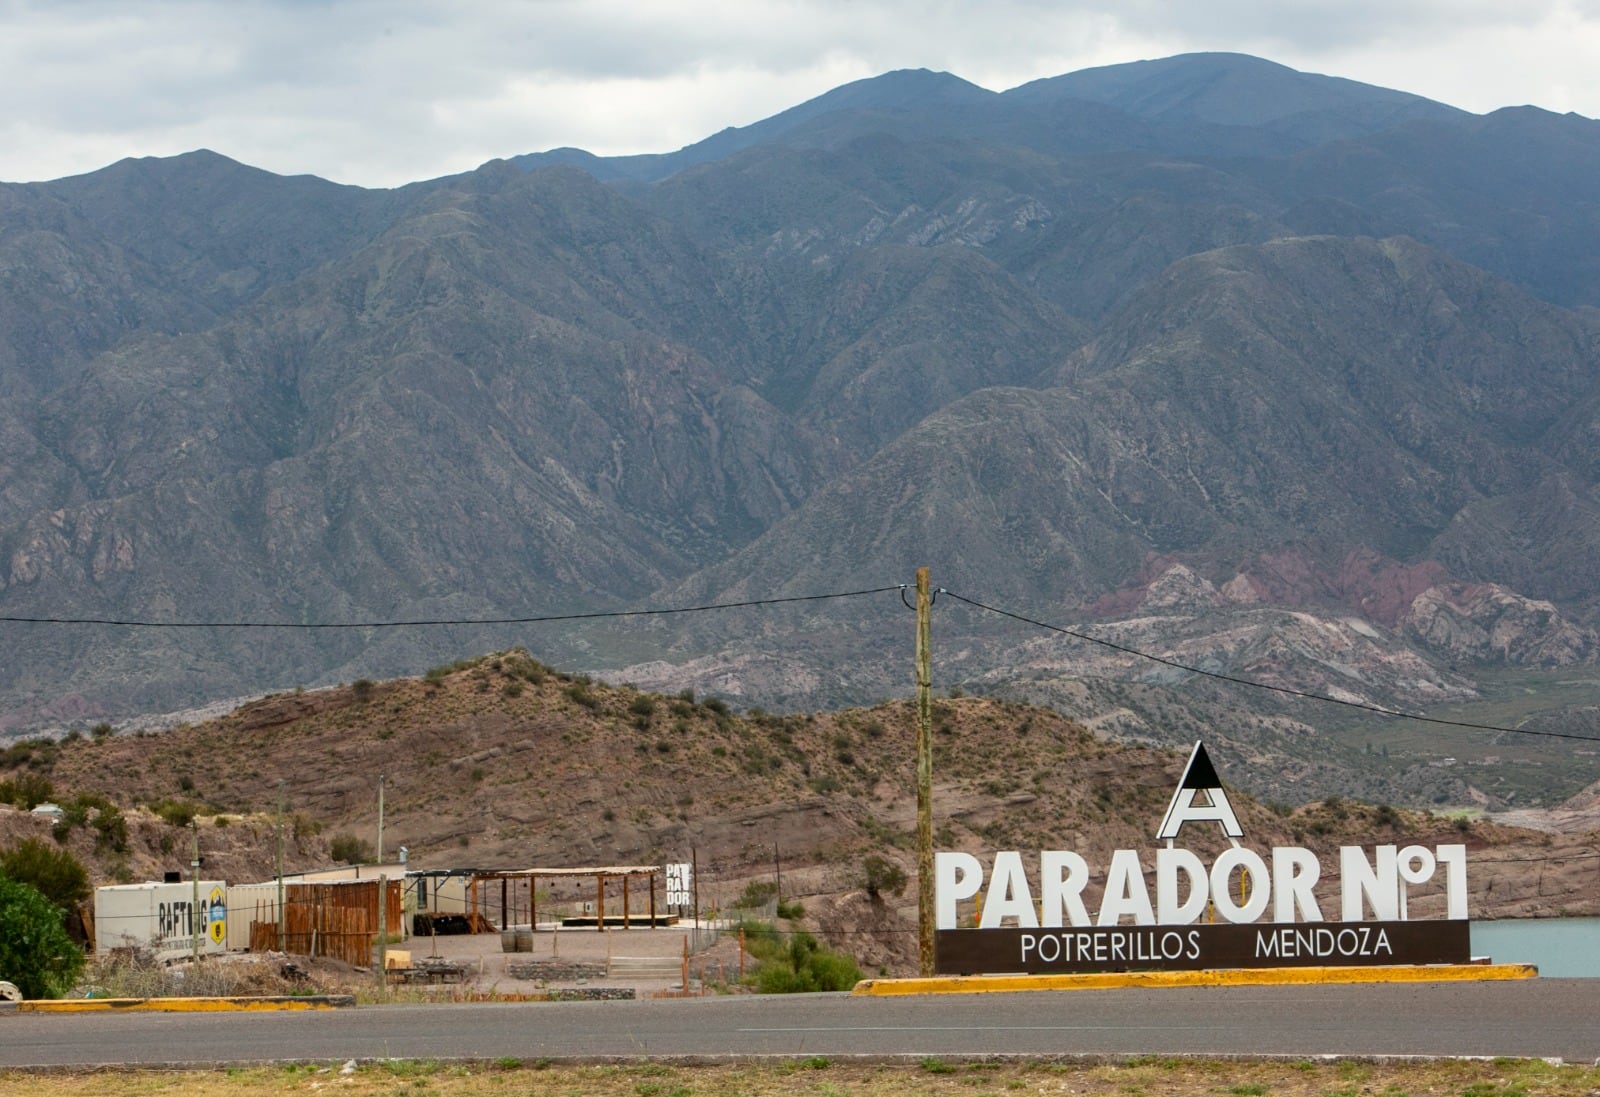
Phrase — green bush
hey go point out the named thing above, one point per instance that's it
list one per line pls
(833, 970)
(53, 872)
(350, 849)
(578, 693)
(177, 813)
(778, 979)
(761, 941)
(35, 952)
(111, 829)
(27, 791)
(802, 966)
(879, 875)
(74, 813)
(757, 893)
(37, 753)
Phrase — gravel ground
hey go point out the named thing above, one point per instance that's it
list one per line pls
(649, 960)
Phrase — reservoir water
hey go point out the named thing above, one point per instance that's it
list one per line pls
(1560, 947)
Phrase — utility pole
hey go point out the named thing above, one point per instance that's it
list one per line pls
(380, 818)
(694, 885)
(282, 914)
(383, 935)
(924, 775)
(194, 879)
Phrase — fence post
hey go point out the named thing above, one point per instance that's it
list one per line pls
(383, 934)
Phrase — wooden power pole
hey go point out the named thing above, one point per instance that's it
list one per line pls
(380, 818)
(283, 915)
(924, 775)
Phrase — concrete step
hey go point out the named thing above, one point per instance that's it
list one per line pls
(658, 967)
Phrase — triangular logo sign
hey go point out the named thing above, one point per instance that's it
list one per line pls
(1199, 776)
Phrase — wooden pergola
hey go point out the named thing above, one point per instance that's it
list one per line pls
(602, 873)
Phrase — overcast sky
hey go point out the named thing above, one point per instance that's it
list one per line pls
(383, 92)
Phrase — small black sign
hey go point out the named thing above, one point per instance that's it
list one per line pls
(1197, 947)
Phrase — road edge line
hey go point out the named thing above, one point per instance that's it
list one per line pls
(185, 1005)
(1303, 976)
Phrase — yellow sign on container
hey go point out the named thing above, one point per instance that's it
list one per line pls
(217, 911)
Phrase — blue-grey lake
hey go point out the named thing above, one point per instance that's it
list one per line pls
(1560, 947)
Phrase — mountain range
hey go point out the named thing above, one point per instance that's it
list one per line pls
(1272, 374)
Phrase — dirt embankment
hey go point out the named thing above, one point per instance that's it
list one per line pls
(503, 763)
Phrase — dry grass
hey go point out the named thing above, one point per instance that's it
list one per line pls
(1140, 1078)
(136, 974)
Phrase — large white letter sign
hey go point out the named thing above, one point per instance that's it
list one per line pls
(1170, 864)
(1294, 873)
(1008, 895)
(956, 876)
(1377, 882)
(1249, 908)
(1126, 894)
(1062, 876)
(1221, 906)
(1199, 776)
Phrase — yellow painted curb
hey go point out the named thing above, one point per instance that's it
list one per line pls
(183, 1005)
(1295, 976)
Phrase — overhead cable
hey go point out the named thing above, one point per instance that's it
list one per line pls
(1362, 705)
(427, 623)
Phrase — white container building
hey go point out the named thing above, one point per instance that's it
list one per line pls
(163, 918)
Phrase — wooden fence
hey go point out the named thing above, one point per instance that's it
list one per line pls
(337, 920)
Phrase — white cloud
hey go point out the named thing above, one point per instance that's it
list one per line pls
(381, 92)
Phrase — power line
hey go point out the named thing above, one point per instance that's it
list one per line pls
(432, 622)
(665, 611)
(1303, 694)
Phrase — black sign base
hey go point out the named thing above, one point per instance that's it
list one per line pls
(1200, 947)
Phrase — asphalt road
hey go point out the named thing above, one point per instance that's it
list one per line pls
(1540, 1017)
